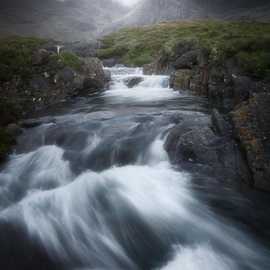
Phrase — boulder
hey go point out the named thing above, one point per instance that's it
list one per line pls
(252, 128)
(199, 149)
(133, 81)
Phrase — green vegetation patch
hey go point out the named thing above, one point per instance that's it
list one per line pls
(249, 42)
(71, 60)
(16, 56)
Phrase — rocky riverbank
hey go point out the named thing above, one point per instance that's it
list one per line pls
(230, 64)
(37, 73)
(239, 99)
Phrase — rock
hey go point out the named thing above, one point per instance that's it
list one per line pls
(13, 130)
(93, 70)
(65, 75)
(90, 85)
(39, 83)
(6, 143)
(180, 79)
(220, 125)
(133, 81)
(108, 75)
(111, 62)
(243, 87)
(252, 128)
(187, 60)
(199, 149)
(40, 57)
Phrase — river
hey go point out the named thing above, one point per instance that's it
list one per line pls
(93, 188)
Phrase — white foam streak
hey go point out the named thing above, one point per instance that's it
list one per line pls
(200, 257)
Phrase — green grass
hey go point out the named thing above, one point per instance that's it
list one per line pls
(249, 42)
(71, 60)
(16, 56)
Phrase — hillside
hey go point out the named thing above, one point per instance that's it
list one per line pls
(248, 42)
(152, 11)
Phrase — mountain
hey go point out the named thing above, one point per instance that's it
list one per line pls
(68, 20)
(153, 11)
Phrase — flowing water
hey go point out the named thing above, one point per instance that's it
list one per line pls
(93, 188)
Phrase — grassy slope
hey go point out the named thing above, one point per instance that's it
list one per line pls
(249, 42)
(16, 57)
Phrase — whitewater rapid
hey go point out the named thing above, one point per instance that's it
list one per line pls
(94, 189)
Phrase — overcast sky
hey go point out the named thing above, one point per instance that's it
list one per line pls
(128, 2)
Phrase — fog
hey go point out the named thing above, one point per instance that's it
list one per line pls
(128, 2)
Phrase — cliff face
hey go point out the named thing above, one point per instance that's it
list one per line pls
(153, 11)
(67, 20)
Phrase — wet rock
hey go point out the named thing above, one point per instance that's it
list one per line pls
(252, 128)
(133, 81)
(199, 149)
(108, 75)
(95, 76)
(220, 125)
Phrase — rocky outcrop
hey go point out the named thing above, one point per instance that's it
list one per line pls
(240, 101)
(251, 121)
(197, 147)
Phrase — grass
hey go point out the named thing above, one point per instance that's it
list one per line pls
(16, 56)
(248, 42)
(71, 60)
